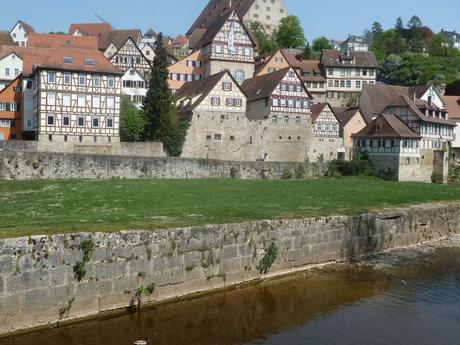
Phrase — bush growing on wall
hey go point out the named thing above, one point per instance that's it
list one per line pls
(360, 165)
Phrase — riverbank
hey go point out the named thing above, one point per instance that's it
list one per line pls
(60, 278)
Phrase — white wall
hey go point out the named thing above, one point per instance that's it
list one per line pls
(14, 64)
(19, 35)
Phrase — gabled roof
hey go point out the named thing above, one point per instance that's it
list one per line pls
(355, 39)
(344, 115)
(8, 50)
(453, 106)
(199, 89)
(387, 126)
(118, 38)
(6, 39)
(335, 58)
(56, 41)
(261, 87)
(137, 47)
(215, 8)
(29, 29)
(90, 29)
(151, 32)
(179, 41)
(317, 109)
(53, 58)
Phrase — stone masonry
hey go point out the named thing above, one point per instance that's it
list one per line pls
(38, 285)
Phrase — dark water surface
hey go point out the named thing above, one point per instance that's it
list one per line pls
(417, 303)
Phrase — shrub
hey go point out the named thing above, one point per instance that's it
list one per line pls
(436, 177)
(269, 258)
(287, 175)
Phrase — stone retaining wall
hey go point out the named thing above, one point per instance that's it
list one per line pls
(38, 285)
(32, 165)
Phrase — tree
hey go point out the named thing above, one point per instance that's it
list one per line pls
(376, 31)
(453, 89)
(399, 26)
(131, 121)
(321, 43)
(414, 23)
(161, 122)
(307, 53)
(437, 46)
(290, 33)
(266, 45)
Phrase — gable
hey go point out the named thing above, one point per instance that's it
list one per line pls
(292, 77)
(327, 115)
(435, 97)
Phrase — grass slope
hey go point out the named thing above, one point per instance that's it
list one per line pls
(45, 207)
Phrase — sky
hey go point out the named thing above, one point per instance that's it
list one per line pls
(333, 18)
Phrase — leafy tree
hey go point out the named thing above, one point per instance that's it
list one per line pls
(453, 89)
(266, 44)
(161, 122)
(131, 121)
(437, 46)
(321, 43)
(290, 33)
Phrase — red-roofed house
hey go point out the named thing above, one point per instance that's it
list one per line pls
(89, 29)
(20, 33)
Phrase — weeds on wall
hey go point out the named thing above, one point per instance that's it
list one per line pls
(141, 291)
(269, 258)
(87, 246)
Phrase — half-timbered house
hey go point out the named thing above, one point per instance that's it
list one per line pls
(327, 141)
(76, 96)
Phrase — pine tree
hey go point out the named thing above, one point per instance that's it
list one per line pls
(161, 122)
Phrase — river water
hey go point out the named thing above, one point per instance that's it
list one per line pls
(414, 302)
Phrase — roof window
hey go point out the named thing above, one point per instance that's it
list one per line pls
(89, 61)
(67, 59)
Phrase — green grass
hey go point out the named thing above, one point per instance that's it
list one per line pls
(46, 207)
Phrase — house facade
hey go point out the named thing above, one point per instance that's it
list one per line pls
(76, 96)
(11, 64)
(327, 141)
(10, 111)
(355, 44)
(20, 33)
(188, 69)
(346, 74)
(351, 122)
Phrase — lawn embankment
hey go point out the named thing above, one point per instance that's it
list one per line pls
(48, 207)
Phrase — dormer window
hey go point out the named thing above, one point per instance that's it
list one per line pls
(67, 59)
(89, 61)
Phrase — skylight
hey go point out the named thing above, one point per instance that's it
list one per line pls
(89, 61)
(67, 59)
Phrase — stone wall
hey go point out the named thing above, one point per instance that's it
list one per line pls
(32, 165)
(151, 149)
(38, 284)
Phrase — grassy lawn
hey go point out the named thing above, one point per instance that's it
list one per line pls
(45, 207)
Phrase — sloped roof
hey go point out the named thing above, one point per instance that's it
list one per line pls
(261, 87)
(52, 58)
(26, 26)
(215, 8)
(7, 50)
(56, 41)
(344, 115)
(317, 109)
(5, 39)
(335, 58)
(90, 29)
(453, 106)
(387, 126)
(151, 32)
(179, 41)
(118, 38)
(197, 88)
(355, 39)
(404, 100)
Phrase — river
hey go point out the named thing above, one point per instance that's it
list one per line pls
(416, 301)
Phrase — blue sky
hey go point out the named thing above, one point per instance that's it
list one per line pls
(333, 18)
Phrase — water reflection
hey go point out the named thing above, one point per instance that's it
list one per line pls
(347, 306)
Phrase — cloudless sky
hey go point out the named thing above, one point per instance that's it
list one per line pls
(333, 18)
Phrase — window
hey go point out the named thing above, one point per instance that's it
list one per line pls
(286, 119)
(89, 61)
(275, 102)
(274, 119)
(238, 102)
(219, 49)
(330, 83)
(358, 84)
(51, 77)
(227, 86)
(96, 101)
(217, 137)
(82, 79)
(16, 72)
(229, 102)
(111, 82)
(51, 98)
(50, 120)
(96, 81)
(240, 75)
(208, 137)
(65, 120)
(297, 120)
(348, 83)
(81, 100)
(215, 101)
(66, 100)
(81, 121)
(67, 59)
(95, 122)
(109, 122)
(67, 79)
(110, 102)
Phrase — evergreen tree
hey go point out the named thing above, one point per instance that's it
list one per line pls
(131, 121)
(161, 122)
(399, 26)
(307, 54)
(376, 31)
(290, 33)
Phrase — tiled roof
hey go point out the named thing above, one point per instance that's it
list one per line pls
(453, 106)
(316, 110)
(29, 29)
(118, 38)
(387, 126)
(405, 100)
(179, 41)
(335, 58)
(90, 29)
(344, 115)
(7, 50)
(5, 39)
(56, 41)
(261, 87)
(215, 8)
(53, 58)
(197, 89)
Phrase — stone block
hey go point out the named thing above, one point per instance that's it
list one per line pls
(229, 252)
(27, 281)
(7, 265)
(59, 276)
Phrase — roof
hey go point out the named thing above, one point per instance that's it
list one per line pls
(335, 58)
(56, 41)
(179, 41)
(26, 26)
(151, 32)
(215, 8)
(344, 115)
(5, 39)
(387, 126)
(7, 50)
(53, 58)
(453, 106)
(316, 110)
(355, 39)
(261, 87)
(451, 35)
(198, 88)
(90, 29)
(118, 38)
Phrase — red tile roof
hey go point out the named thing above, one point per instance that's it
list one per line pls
(5, 39)
(453, 106)
(90, 29)
(386, 126)
(56, 41)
